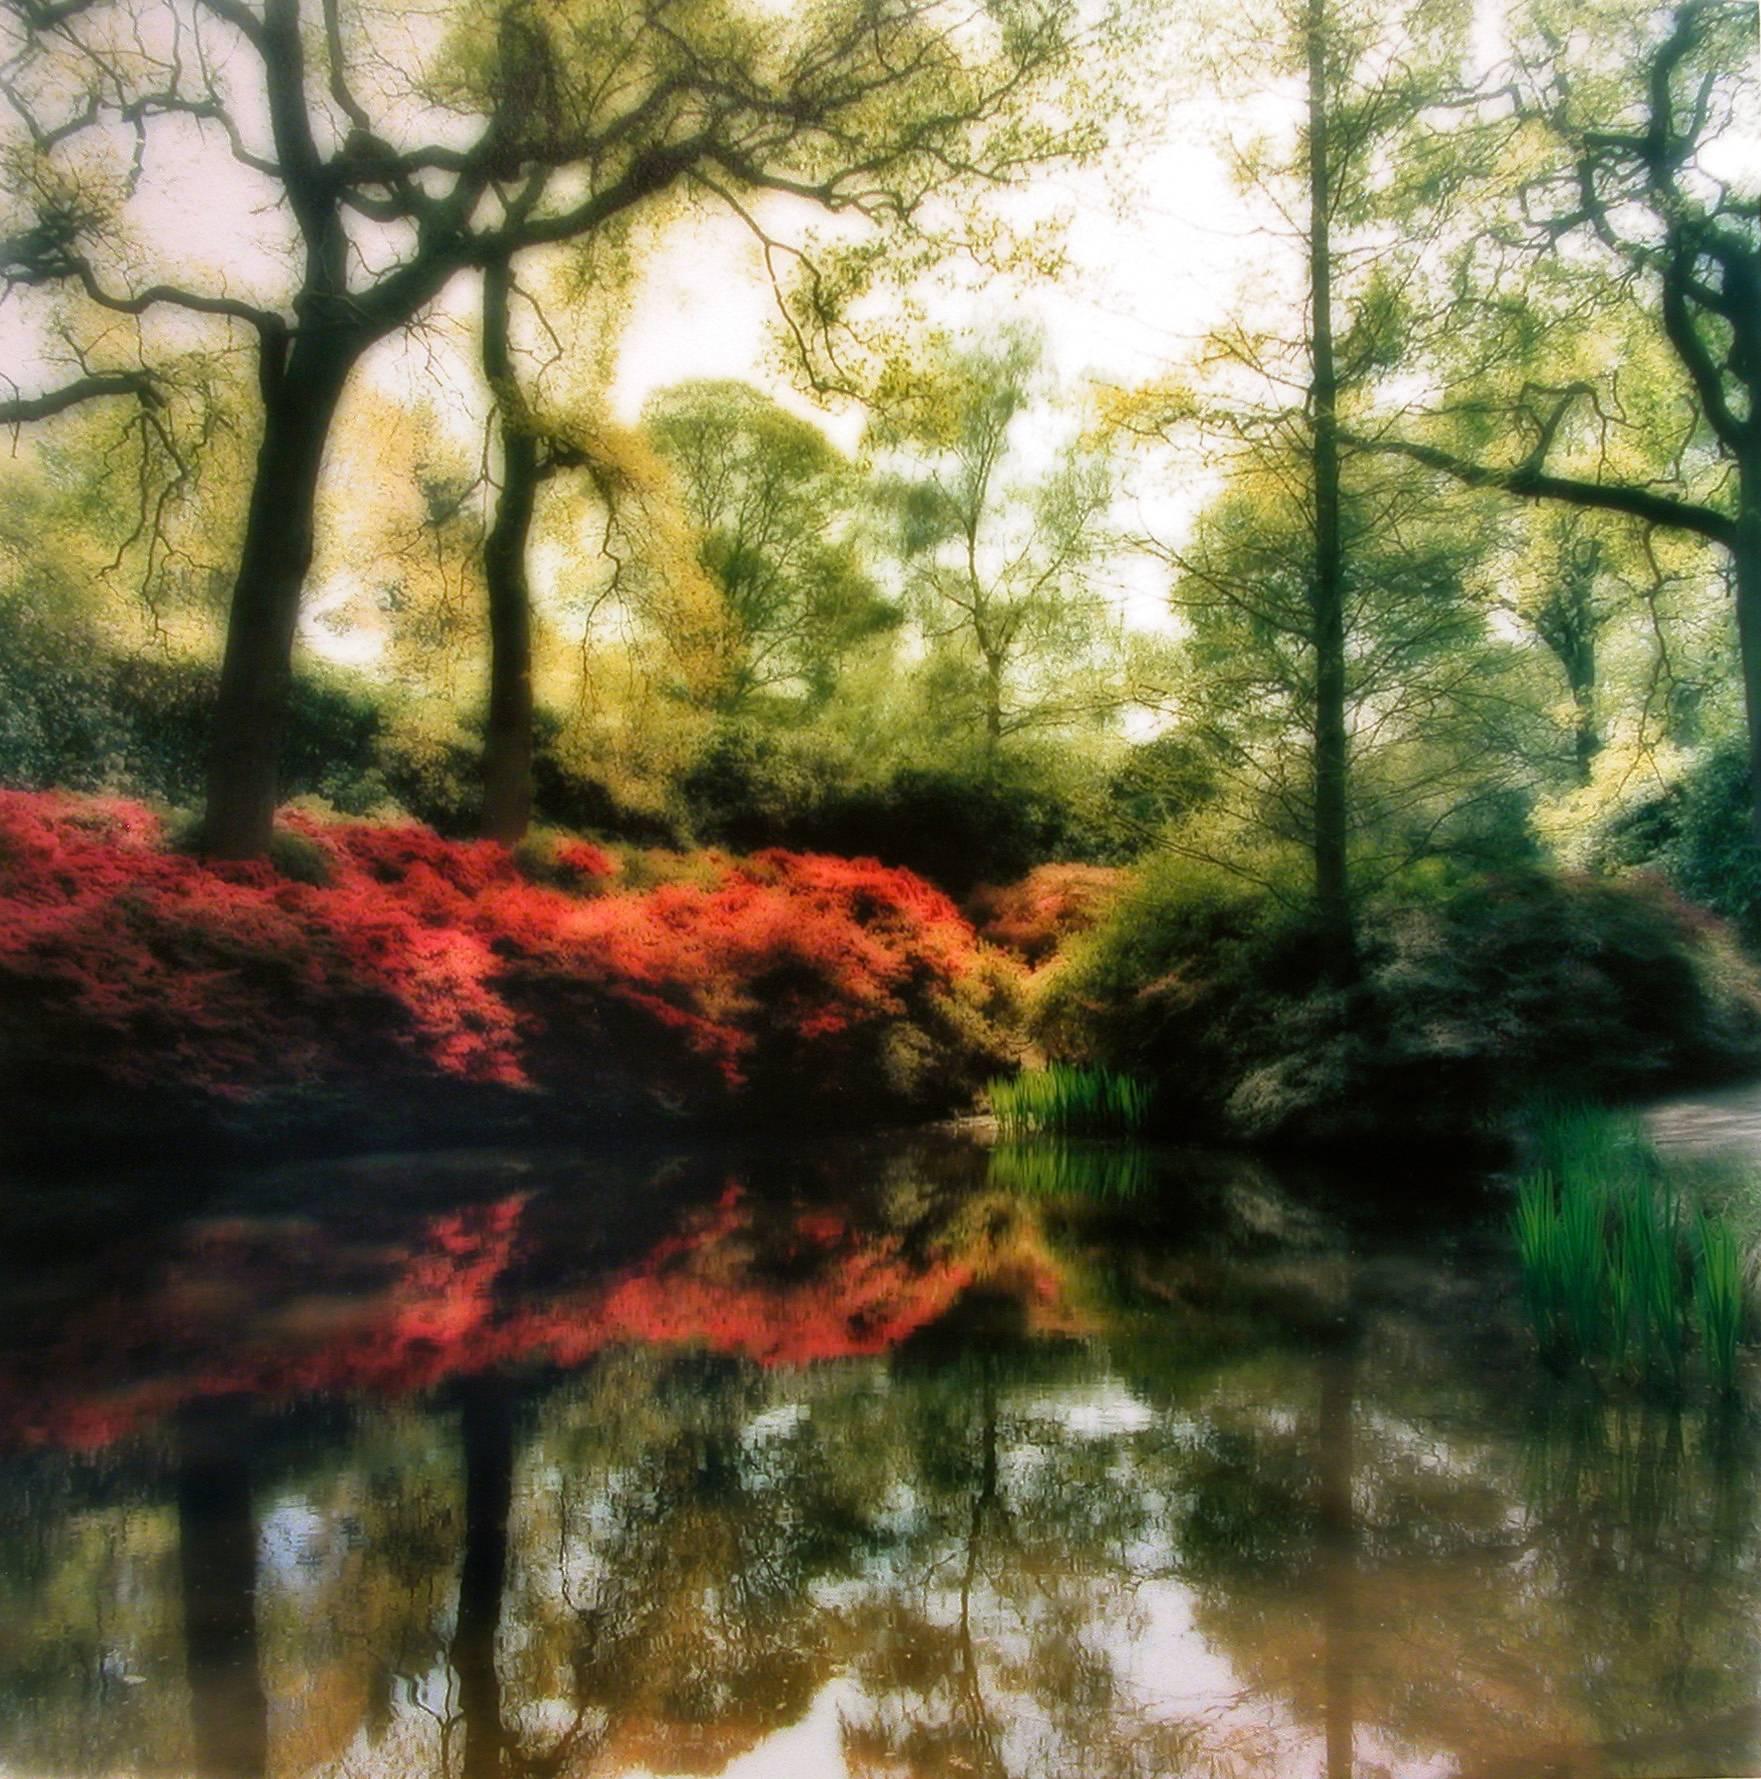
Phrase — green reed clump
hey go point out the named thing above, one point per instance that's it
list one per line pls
(1065, 1101)
(1565, 1263)
(1064, 1170)
(1610, 1274)
(1576, 1141)
(1647, 1242)
(1719, 1287)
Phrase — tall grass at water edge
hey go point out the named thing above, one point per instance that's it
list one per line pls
(1071, 1102)
(1615, 1272)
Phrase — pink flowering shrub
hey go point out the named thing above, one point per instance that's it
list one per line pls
(1034, 917)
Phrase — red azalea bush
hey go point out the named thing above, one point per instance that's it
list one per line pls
(1034, 917)
(419, 960)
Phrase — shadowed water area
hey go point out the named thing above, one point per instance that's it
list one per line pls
(908, 1458)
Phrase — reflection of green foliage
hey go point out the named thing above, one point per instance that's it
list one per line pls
(1065, 1170)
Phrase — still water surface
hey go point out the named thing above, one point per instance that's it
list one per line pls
(886, 1461)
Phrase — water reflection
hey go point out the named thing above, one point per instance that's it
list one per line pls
(859, 1464)
(217, 1570)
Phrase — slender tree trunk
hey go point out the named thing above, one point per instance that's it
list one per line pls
(1746, 559)
(488, 1432)
(992, 658)
(300, 394)
(217, 1564)
(1567, 622)
(507, 742)
(1327, 587)
(1587, 738)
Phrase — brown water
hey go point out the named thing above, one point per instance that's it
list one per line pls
(869, 1463)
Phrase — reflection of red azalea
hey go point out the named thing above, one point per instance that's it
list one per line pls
(446, 1311)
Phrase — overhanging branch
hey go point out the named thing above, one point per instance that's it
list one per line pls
(99, 386)
(1529, 482)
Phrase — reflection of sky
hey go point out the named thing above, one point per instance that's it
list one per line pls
(808, 1749)
(1104, 1409)
(298, 1548)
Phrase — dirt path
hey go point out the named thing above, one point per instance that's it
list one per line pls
(1717, 1120)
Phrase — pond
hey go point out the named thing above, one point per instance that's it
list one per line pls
(901, 1458)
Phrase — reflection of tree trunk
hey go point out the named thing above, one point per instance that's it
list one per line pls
(217, 1564)
(984, 1732)
(488, 1430)
(1338, 1553)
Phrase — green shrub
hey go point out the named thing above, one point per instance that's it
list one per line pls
(959, 823)
(957, 827)
(295, 855)
(1712, 856)
(1462, 1006)
(566, 792)
(565, 861)
(1697, 834)
(300, 857)
(752, 781)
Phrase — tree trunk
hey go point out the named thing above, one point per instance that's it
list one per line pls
(300, 398)
(993, 718)
(1567, 622)
(507, 742)
(1327, 587)
(1746, 558)
(1587, 738)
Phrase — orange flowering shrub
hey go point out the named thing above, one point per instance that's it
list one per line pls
(831, 981)
(1053, 903)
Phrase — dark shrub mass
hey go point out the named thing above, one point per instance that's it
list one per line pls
(1461, 1007)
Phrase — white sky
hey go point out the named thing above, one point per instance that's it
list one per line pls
(1158, 256)
(1155, 250)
